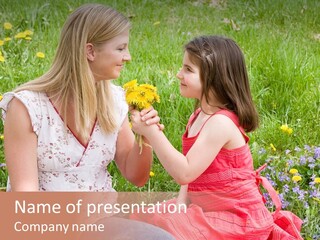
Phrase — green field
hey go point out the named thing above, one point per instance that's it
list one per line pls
(281, 43)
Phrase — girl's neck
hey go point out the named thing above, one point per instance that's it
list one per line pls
(210, 109)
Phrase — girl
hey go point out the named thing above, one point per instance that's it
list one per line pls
(219, 184)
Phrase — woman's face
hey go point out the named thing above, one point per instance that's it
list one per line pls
(107, 60)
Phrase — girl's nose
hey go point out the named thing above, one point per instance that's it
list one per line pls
(179, 75)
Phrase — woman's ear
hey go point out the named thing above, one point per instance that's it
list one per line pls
(90, 52)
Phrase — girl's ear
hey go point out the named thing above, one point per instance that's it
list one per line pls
(90, 52)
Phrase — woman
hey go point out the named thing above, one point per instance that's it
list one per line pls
(63, 129)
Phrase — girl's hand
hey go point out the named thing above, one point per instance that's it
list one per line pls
(150, 116)
(150, 122)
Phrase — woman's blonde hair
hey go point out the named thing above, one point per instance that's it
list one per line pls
(70, 77)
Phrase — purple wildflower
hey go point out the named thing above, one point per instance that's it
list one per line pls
(287, 151)
(296, 189)
(317, 153)
(311, 159)
(297, 149)
(290, 162)
(285, 188)
(311, 165)
(2, 165)
(262, 151)
(307, 147)
(303, 160)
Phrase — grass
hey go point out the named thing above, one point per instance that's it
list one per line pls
(280, 40)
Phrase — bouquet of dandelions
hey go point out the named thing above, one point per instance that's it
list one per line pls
(140, 96)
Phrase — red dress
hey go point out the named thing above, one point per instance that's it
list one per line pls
(226, 202)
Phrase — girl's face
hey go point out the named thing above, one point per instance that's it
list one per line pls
(189, 76)
(107, 61)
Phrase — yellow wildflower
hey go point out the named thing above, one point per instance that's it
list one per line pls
(296, 178)
(273, 147)
(317, 180)
(6, 39)
(1, 137)
(1, 97)
(1, 42)
(7, 25)
(40, 55)
(130, 85)
(151, 174)
(2, 58)
(20, 35)
(140, 96)
(28, 32)
(293, 171)
(286, 129)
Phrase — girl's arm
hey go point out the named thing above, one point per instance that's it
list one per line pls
(20, 148)
(184, 169)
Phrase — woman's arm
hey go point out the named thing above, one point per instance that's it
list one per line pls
(133, 165)
(183, 195)
(20, 148)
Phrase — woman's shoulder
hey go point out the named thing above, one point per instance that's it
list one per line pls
(24, 96)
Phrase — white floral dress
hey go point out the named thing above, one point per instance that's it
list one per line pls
(64, 164)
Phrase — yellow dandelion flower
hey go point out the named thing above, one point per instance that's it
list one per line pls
(7, 39)
(1, 42)
(7, 26)
(286, 129)
(28, 32)
(130, 85)
(289, 131)
(2, 59)
(317, 180)
(273, 147)
(40, 55)
(156, 23)
(293, 171)
(1, 137)
(140, 97)
(151, 174)
(1, 97)
(296, 178)
(20, 35)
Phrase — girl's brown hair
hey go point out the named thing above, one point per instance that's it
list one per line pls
(223, 74)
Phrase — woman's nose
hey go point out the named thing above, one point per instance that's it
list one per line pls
(127, 56)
